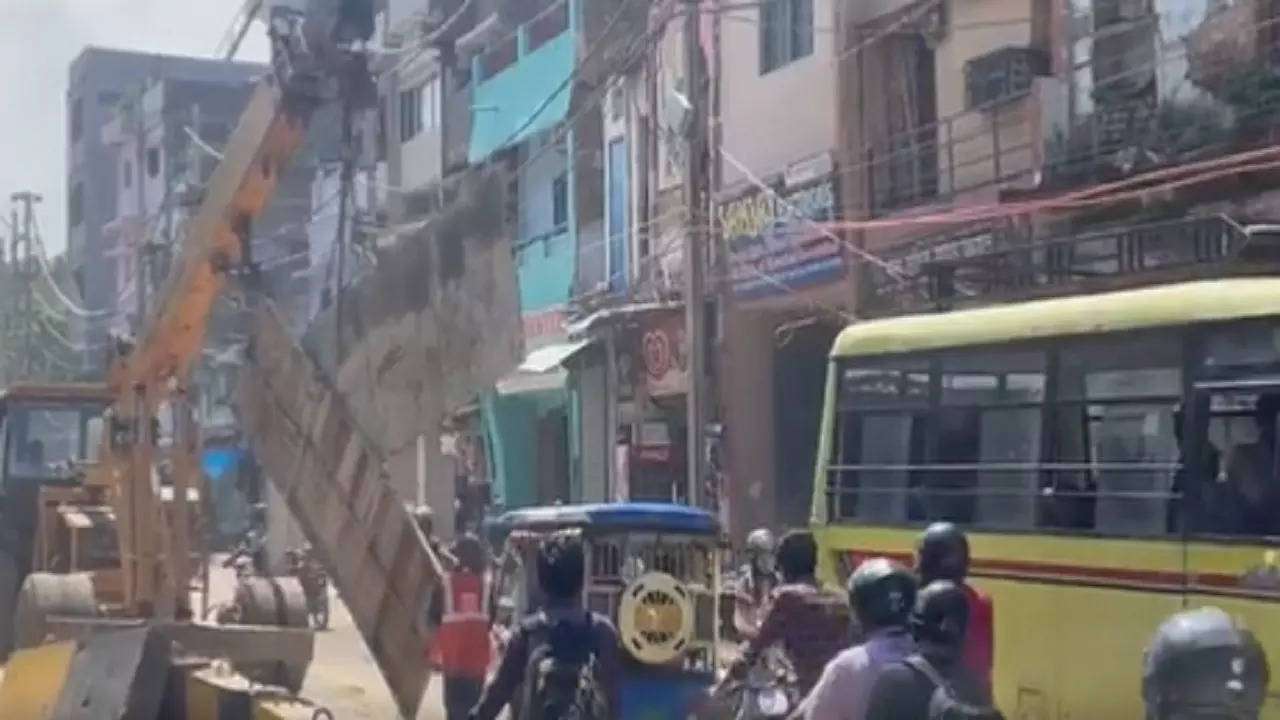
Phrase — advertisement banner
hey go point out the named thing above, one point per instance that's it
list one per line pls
(662, 355)
(777, 243)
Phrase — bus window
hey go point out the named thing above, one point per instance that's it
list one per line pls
(870, 474)
(1114, 450)
(879, 433)
(988, 428)
(1235, 492)
(1252, 345)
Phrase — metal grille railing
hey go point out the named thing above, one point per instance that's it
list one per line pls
(1004, 265)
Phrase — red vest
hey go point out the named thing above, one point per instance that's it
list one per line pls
(979, 650)
(463, 639)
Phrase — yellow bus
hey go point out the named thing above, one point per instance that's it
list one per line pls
(1111, 457)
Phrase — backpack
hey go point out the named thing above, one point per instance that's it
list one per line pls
(943, 703)
(560, 677)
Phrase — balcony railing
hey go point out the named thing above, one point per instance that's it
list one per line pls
(527, 38)
(994, 144)
(997, 263)
(1134, 110)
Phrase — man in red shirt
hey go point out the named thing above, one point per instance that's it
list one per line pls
(942, 553)
(462, 643)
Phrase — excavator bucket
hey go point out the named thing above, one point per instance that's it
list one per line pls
(332, 480)
(117, 675)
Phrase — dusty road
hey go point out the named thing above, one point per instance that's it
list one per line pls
(344, 678)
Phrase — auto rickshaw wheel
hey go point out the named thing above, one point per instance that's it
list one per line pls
(47, 594)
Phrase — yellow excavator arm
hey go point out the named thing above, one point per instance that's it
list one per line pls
(310, 66)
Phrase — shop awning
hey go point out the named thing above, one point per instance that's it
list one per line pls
(542, 369)
(618, 313)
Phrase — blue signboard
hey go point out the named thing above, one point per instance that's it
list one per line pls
(779, 242)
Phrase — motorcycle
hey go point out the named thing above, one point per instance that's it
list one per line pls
(302, 564)
(767, 692)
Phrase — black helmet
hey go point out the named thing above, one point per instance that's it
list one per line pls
(941, 615)
(881, 593)
(942, 553)
(470, 552)
(424, 516)
(1201, 664)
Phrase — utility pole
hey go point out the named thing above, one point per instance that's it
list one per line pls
(140, 178)
(694, 256)
(20, 251)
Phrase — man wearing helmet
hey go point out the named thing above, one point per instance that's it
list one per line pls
(942, 553)
(810, 624)
(932, 683)
(881, 594)
(1200, 664)
(756, 580)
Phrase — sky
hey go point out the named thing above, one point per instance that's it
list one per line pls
(38, 41)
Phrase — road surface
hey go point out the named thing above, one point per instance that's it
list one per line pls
(344, 678)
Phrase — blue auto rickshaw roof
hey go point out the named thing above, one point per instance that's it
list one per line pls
(663, 517)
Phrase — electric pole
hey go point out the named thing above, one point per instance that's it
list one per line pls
(694, 256)
(24, 267)
(140, 178)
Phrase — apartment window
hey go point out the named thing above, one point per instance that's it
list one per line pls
(153, 162)
(75, 205)
(786, 32)
(431, 104)
(560, 200)
(126, 175)
(410, 113)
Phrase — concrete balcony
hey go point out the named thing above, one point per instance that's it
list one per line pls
(521, 84)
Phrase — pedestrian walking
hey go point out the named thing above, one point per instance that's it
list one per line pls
(462, 640)
(562, 661)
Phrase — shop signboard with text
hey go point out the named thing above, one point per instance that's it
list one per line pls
(779, 241)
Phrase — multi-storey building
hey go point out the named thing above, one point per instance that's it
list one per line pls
(99, 80)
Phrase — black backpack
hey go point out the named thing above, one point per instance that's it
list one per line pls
(560, 677)
(944, 704)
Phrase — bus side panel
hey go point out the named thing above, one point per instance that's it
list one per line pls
(1244, 580)
(1072, 614)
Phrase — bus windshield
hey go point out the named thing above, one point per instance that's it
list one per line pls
(43, 441)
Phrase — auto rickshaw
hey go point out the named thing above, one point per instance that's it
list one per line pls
(653, 569)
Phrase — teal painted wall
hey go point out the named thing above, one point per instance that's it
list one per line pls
(545, 270)
(511, 422)
(513, 105)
